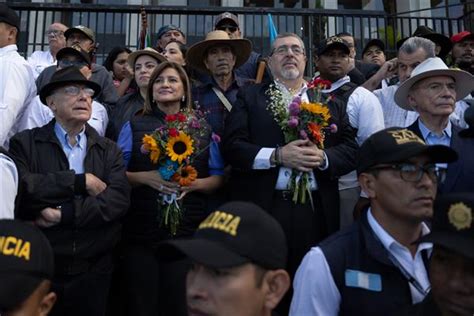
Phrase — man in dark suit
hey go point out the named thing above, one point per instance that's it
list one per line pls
(432, 91)
(262, 161)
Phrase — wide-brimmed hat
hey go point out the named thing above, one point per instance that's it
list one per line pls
(197, 53)
(66, 76)
(132, 58)
(434, 67)
(453, 226)
(437, 38)
(397, 144)
(235, 234)
(81, 29)
(26, 259)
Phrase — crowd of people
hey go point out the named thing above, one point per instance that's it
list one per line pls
(350, 192)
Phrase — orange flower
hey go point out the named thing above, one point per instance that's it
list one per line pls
(316, 133)
(154, 155)
(185, 175)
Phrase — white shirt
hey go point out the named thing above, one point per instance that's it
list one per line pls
(365, 114)
(262, 159)
(38, 114)
(17, 89)
(40, 60)
(396, 116)
(316, 293)
(8, 186)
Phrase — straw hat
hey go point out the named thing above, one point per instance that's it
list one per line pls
(132, 58)
(197, 53)
(432, 67)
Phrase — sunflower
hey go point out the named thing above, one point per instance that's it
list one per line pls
(185, 175)
(179, 147)
(317, 108)
(150, 146)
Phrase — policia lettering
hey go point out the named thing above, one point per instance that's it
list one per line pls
(12, 246)
(222, 221)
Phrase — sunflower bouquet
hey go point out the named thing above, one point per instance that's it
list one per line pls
(173, 147)
(302, 120)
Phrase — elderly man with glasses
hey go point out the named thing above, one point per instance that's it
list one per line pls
(73, 186)
(374, 266)
(40, 59)
(262, 161)
(432, 91)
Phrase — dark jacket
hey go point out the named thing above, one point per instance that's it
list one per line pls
(250, 126)
(126, 107)
(89, 225)
(356, 248)
(460, 174)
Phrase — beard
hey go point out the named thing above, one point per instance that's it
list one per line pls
(290, 74)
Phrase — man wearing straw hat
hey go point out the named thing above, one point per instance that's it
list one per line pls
(432, 91)
(218, 55)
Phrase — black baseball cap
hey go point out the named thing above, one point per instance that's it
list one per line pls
(397, 144)
(75, 50)
(9, 16)
(166, 28)
(452, 225)
(235, 234)
(26, 259)
(226, 17)
(330, 43)
(374, 42)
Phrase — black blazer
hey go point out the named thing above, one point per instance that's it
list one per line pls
(460, 174)
(250, 126)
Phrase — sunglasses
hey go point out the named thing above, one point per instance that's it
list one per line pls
(226, 27)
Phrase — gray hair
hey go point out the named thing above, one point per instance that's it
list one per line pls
(412, 44)
(288, 34)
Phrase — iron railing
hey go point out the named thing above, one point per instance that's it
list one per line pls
(119, 25)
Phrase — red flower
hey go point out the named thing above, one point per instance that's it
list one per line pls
(173, 132)
(170, 118)
(181, 117)
(319, 83)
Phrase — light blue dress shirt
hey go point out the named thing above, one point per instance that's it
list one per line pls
(431, 138)
(75, 154)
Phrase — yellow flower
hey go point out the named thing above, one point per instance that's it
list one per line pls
(185, 175)
(317, 108)
(154, 155)
(149, 143)
(179, 147)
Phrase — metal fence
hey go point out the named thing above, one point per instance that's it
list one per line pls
(119, 25)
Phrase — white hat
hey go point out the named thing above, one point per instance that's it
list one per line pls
(432, 67)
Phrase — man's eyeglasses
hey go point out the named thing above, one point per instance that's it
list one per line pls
(63, 63)
(413, 173)
(283, 50)
(75, 90)
(230, 28)
(54, 33)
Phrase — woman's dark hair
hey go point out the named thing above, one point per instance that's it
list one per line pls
(183, 48)
(112, 56)
(149, 103)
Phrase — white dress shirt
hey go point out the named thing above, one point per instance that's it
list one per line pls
(8, 186)
(40, 60)
(365, 114)
(316, 293)
(262, 159)
(38, 114)
(17, 89)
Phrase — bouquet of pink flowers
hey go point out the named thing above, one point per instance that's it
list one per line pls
(173, 147)
(302, 120)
